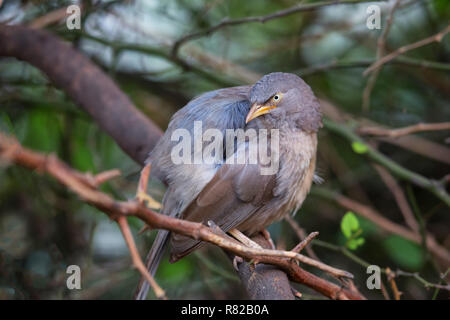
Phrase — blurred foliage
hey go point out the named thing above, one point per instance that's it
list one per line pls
(44, 228)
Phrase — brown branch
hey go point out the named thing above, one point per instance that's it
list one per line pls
(127, 126)
(380, 52)
(395, 133)
(391, 279)
(49, 18)
(12, 151)
(261, 19)
(301, 234)
(412, 143)
(305, 242)
(86, 84)
(417, 276)
(385, 224)
(137, 261)
(435, 38)
(399, 196)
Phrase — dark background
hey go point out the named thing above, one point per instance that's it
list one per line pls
(44, 228)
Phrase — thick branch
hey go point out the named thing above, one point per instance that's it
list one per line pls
(86, 84)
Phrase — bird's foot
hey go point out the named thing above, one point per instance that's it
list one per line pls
(236, 262)
(242, 238)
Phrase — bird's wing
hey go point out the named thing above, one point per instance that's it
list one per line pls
(220, 109)
(235, 193)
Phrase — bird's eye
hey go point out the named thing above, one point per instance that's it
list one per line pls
(276, 97)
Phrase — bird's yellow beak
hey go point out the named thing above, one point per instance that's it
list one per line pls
(257, 110)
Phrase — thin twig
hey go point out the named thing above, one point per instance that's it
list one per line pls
(395, 133)
(261, 19)
(412, 143)
(301, 234)
(399, 196)
(137, 261)
(298, 248)
(104, 176)
(400, 60)
(391, 280)
(386, 271)
(426, 283)
(413, 177)
(382, 222)
(380, 52)
(435, 38)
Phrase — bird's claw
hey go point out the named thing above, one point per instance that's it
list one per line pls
(236, 261)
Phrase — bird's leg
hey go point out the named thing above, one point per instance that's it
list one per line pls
(242, 238)
(141, 194)
(236, 262)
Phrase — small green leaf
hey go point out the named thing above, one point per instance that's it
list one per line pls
(353, 244)
(359, 147)
(349, 224)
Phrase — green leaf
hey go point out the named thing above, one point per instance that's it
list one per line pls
(349, 224)
(359, 147)
(353, 244)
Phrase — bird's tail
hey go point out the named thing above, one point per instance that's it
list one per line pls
(153, 259)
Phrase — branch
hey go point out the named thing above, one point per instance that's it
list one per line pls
(416, 275)
(432, 186)
(382, 222)
(137, 261)
(12, 151)
(435, 38)
(399, 196)
(301, 234)
(261, 19)
(385, 271)
(395, 133)
(363, 63)
(391, 279)
(380, 52)
(117, 113)
(86, 84)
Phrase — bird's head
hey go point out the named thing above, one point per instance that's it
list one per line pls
(285, 97)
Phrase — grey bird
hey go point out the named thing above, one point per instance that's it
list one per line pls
(237, 195)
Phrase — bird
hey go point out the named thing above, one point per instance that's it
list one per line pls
(238, 196)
